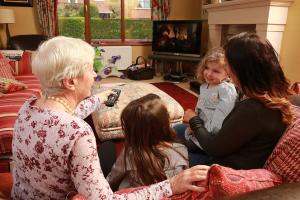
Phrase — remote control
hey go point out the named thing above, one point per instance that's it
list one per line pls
(112, 98)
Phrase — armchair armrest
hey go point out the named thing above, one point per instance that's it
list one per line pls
(224, 181)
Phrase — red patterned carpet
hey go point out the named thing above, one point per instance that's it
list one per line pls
(186, 99)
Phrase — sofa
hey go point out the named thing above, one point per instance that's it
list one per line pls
(281, 172)
(17, 83)
(283, 165)
(25, 42)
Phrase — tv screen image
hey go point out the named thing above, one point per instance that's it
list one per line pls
(177, 37)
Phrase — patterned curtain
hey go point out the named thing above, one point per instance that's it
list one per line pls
(46, 10)
(160, 9)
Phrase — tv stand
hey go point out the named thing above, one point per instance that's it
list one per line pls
(179, 59)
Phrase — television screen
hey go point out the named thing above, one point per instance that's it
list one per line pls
(177, 37)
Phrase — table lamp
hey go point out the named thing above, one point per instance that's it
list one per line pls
(7, 16)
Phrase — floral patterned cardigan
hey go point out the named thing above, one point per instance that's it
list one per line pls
(55, 155)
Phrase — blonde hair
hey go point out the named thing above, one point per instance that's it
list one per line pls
(215, 55)
(59, 58)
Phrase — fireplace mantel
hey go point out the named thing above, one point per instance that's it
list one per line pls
(268, 16)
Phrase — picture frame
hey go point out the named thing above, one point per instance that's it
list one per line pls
(23, 3)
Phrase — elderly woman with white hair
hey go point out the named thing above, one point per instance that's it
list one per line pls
(54, 150)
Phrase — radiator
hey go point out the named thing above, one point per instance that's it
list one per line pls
(125, 53)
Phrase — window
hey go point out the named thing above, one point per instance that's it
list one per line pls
(143, 4)
(107, 21)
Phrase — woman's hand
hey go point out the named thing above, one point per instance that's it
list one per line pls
(103, 95)
(188, 114)
(185, 180)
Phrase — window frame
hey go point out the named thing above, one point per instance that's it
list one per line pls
(114, 42)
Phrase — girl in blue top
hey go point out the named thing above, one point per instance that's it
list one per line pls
(217, 96)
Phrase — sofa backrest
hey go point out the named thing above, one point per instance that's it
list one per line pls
(285, 158)
(26, 42)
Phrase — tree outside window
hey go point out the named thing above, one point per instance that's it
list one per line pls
(108, 21)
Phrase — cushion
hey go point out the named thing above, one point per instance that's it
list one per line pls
(285, 159)
(107, 119)
(9, 110)
(224, 181)
(10, 105)
(5, 185)
(5, 69)
(10, 85)
(22, 66)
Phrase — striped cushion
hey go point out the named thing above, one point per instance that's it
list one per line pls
(4, 166)
(11, 85)
(26, 77)
(23, 95)
(5, 69)
(22, 66)
(8, 114)
(285, 158)
(9, 107)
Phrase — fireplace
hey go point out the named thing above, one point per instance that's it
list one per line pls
(265, 17)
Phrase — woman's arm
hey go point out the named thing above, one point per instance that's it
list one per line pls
(240, 126)
(91, 104)
(90, 182)
(87, 106)
(227, 97)
(117, 172)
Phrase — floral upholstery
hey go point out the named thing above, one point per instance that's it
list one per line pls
(107, 119)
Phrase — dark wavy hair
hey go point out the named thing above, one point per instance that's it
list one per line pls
(255, 64)
(147, 130)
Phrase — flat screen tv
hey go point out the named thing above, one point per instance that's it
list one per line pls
(177, 37)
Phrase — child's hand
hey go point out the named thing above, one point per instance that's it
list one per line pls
(188, 114)
(189, 130)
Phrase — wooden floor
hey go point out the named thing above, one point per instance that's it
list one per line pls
(184, 85)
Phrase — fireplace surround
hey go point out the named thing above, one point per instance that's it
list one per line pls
(265, 17)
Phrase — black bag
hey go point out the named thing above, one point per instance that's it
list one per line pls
(140, 71)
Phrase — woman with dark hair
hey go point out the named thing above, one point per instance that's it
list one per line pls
(252, 129)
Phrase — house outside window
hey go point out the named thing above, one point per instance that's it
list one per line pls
(144, 4)
(109, 22)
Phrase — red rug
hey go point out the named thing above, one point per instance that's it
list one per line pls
(184, 98)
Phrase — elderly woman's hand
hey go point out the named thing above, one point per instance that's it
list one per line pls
(185, 180)
(104, 94)
(188, 114)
